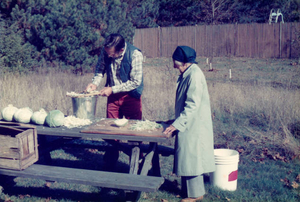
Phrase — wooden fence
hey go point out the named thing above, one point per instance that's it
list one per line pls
(232, 40)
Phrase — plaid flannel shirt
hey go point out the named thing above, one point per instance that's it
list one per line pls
(117, 85)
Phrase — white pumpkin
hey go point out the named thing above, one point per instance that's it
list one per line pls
(23, 115)
(39, 117)
(8, 112)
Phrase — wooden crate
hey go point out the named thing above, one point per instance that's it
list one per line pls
(18, 146)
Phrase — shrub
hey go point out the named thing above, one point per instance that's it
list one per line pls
(15, 53)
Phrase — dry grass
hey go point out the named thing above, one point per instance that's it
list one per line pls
(46, 91)
(276, 104)
(249, 96)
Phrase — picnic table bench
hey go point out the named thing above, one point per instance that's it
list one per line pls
(89, 177)
(136, 180)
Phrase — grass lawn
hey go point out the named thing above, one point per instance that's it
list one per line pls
(263, 180)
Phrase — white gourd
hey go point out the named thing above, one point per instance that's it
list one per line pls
(23, 115)
(8, 112)
(39, 117)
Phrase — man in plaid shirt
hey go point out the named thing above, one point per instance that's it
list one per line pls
(122, 63)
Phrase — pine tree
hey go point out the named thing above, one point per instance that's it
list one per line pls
(69, 31)
(15, 53)
(143, 14)
(117, 20)
(291, 10)
(178, 12)
(256, 11)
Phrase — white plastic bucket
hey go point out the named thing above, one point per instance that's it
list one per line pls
(226, 173)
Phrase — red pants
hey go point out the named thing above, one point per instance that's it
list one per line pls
(122, 104)
(119, 105)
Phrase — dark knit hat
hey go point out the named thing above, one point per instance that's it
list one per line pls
(184, 54)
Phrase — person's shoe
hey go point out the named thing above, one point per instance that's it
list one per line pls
(192, 199)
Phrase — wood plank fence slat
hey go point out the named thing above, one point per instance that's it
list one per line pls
(231, 40)
(285, 42)
(295, 28)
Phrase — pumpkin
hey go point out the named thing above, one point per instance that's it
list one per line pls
(23, 115)
(8, 112)
(39, 117)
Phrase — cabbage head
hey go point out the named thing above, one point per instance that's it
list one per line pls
(23, 115)
(8, 112)
(55, 118)
(39, 117)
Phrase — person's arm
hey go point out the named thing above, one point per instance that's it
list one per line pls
(169, 130)
(99, 73)
(136, 74)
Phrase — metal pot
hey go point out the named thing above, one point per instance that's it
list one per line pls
(84, 107)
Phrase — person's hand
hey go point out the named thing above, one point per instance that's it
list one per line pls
(169, 130)
(90, 87)
(107, 91)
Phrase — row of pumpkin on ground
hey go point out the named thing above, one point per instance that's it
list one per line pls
(54, 118)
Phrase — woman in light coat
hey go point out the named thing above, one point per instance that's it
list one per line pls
(194, 146)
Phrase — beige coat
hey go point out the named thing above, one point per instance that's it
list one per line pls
(194, 145)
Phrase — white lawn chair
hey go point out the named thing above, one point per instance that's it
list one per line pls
(273, 18)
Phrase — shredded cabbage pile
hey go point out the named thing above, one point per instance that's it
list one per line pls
(73, 122)
(73, 94)
(145, 125)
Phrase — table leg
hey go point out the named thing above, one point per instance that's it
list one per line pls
(43, 151)
(134, 167)
(155, 164)
(134, 160)
(151, 160)
(147, 165)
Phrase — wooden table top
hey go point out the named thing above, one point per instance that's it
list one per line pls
(101, 129)
(105, 129)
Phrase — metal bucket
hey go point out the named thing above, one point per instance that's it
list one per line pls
(84, 107)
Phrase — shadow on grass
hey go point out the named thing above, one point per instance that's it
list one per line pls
(24, 193)
(88, 160)
(170, 187)
(27, 189)
(81, 156)
(86, 156)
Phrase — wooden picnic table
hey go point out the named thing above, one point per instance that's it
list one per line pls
(106, 130)
(136, 180)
